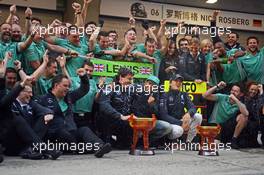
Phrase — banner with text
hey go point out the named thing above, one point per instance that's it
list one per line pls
(110, 68)
(176, 13)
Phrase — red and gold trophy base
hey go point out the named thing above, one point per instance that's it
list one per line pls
(141, 125)
(208, 134)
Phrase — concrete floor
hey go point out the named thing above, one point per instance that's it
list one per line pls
(250, 161)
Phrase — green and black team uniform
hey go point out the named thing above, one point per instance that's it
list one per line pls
(43, 85)
(72, 64)
(14, 48)
(35, 52)
(253, 65)
(83, 107)
(157, 55)
(225, 114)
(232, 73)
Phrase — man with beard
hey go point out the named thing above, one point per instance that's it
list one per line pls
(226, 110)
(63, 128)
(253, 61)
(254, 132)
(16, 33)
(14, 47)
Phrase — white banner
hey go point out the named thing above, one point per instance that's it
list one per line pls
(176, 13)
(42, 4)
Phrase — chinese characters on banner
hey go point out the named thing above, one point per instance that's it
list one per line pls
(176, 13)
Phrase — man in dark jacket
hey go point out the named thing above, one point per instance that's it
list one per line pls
(191, 62)
(118, 103)
(63, 127)
(115, 108)
(146, 103)
(254, 131)
(24, 121)
(172, 106)
(232, 38)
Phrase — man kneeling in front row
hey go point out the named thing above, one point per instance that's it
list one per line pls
(172, 106)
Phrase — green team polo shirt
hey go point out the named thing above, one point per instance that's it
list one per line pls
(35, 52)
(227, 76)
(98, 49)
(74, 63)
(63, 105)
(157, 55)
(208, 57)
(223, 109)
(12, 47)
(43, 85)
(85, 104)
(233, 72)
(253, 66)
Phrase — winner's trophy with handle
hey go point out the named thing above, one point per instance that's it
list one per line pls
(142, 125)
(207, 145)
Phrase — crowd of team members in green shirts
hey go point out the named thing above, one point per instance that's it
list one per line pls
(228, 62)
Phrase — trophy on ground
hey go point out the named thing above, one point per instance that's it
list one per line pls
(141, 125)
(207, 145)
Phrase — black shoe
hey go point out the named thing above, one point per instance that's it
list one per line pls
(234, 143)
(1, 158)
(106, 148)
(30, 154)
(54, 154)
(1, 154)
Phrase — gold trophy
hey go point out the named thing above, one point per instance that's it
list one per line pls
(142, 125)
(208, 134)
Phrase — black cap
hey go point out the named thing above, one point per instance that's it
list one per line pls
(176, 77)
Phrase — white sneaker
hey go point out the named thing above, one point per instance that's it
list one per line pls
(259, 138)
